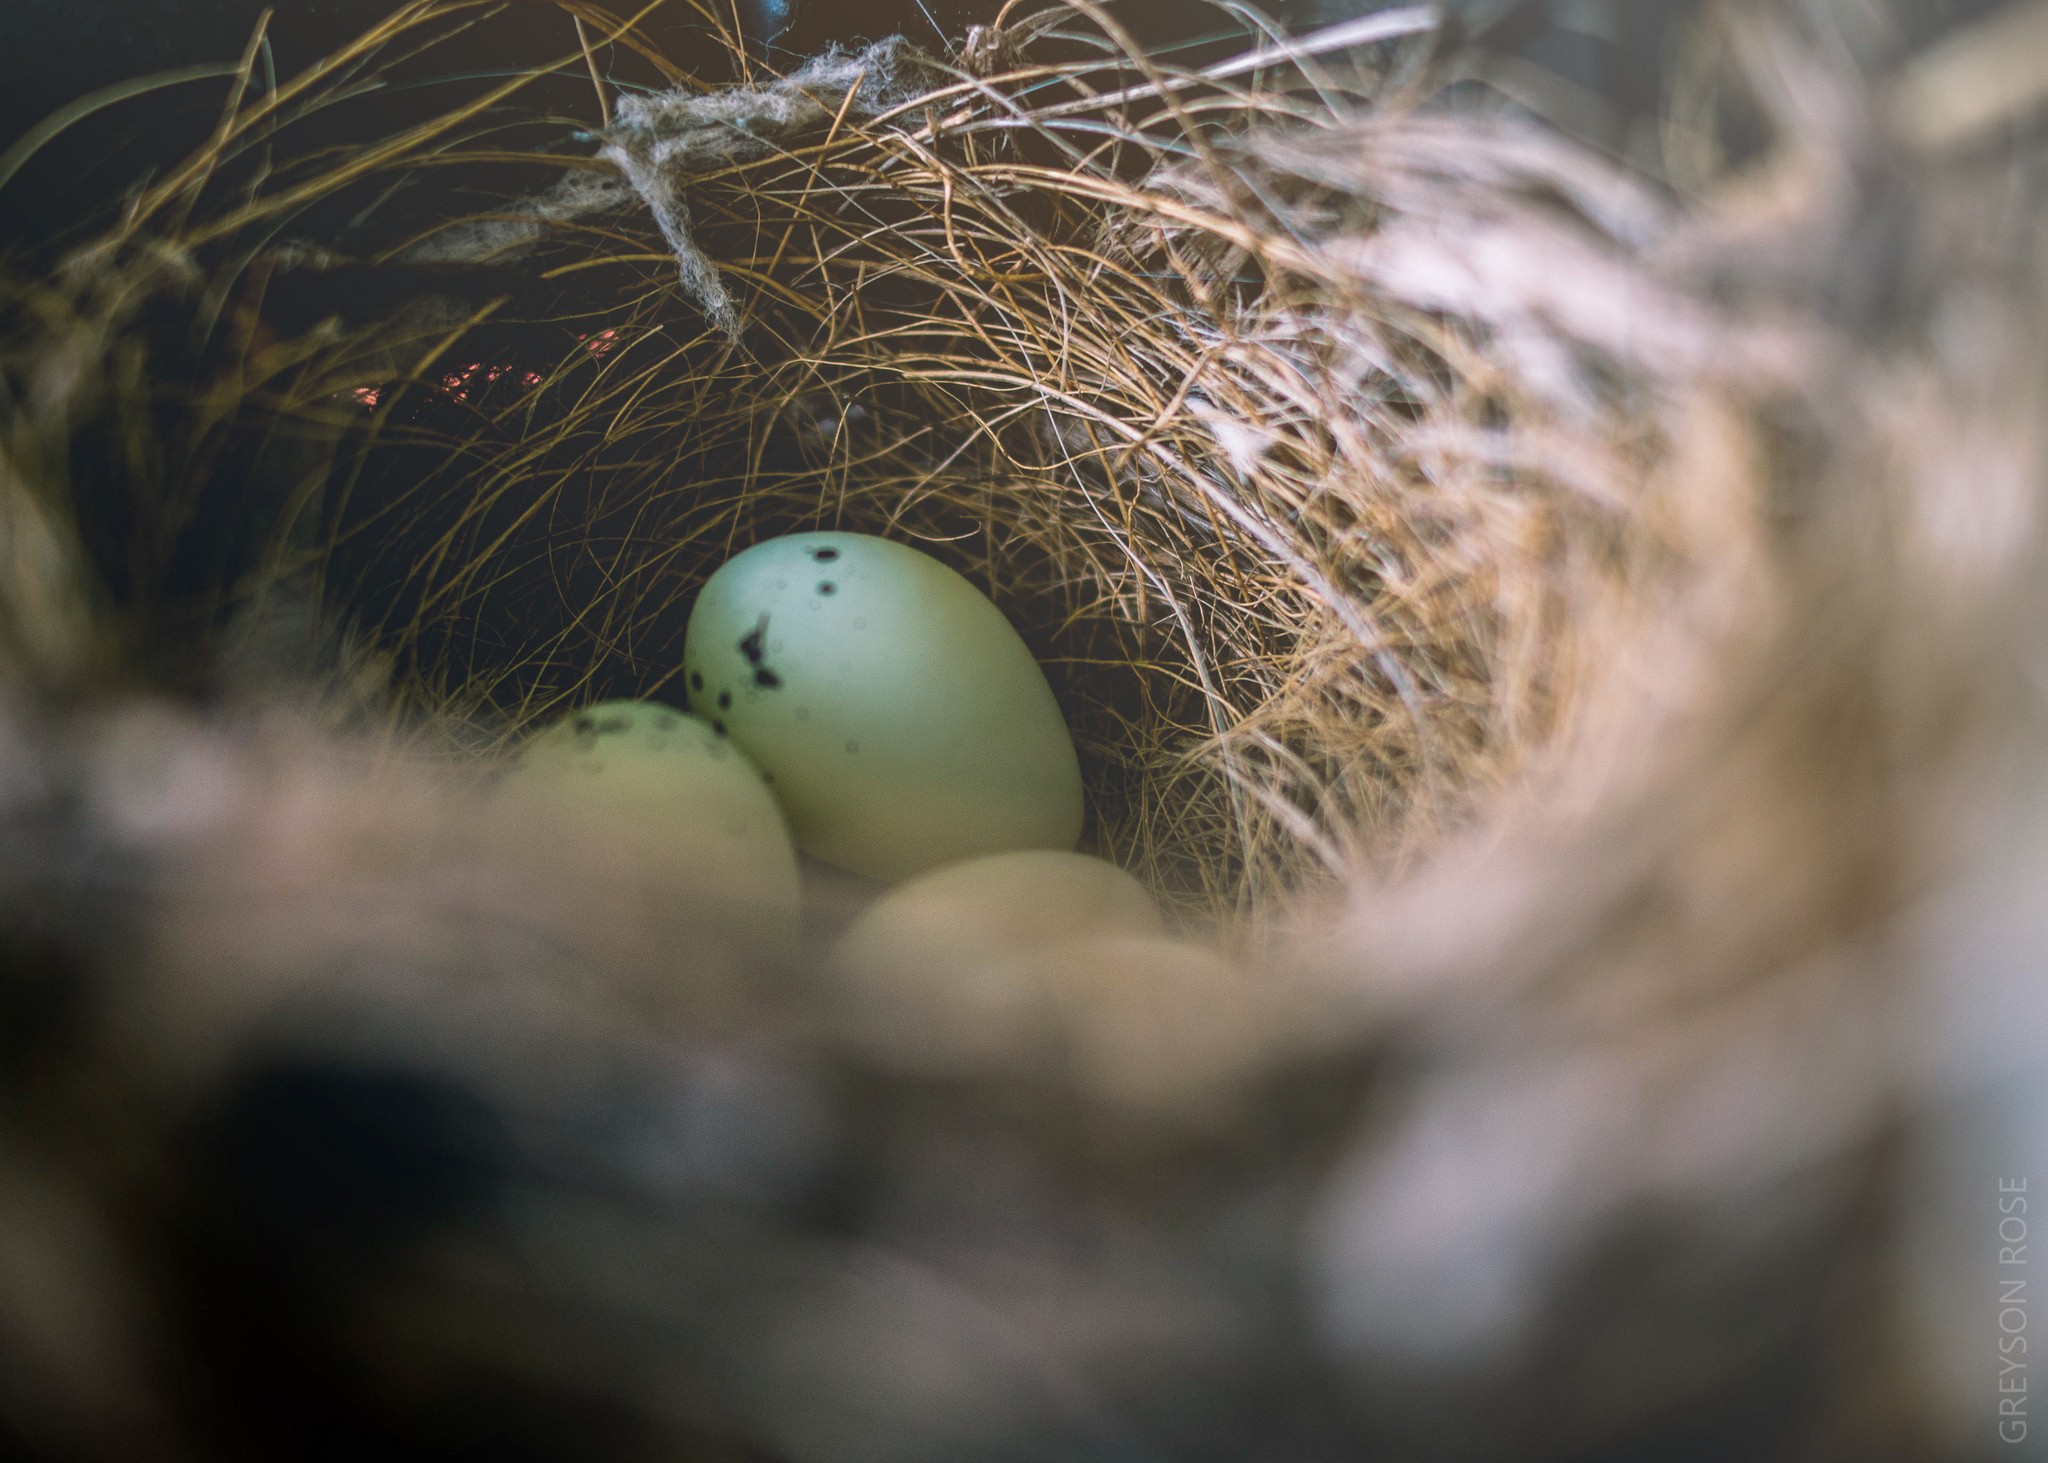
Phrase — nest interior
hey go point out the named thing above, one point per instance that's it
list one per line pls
(1208, 373)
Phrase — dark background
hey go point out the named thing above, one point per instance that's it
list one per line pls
(55, 51)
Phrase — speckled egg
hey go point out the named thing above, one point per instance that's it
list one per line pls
(903, 721)
(665, 791)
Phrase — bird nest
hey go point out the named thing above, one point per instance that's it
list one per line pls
(1330, 444)
(1581, 609)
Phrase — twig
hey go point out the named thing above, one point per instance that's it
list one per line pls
(604, 106)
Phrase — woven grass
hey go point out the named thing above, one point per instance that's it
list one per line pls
(1342, 448)
(1319, 517)
(1584, 610)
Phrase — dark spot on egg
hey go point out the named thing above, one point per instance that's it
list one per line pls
(824, 556)
(826, 586)
(752, 642)
(852, 747)
(725, 700)
(696, 680)
(612, 725)
(667, 721)
(751, 648)
(719, 727)
(585, 725)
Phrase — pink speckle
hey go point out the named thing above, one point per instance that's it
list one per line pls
(458, 383)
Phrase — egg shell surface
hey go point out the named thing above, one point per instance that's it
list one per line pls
(671, 794)
(1147, 1024)
(902, 719)
(982, 909)
(931, 970)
